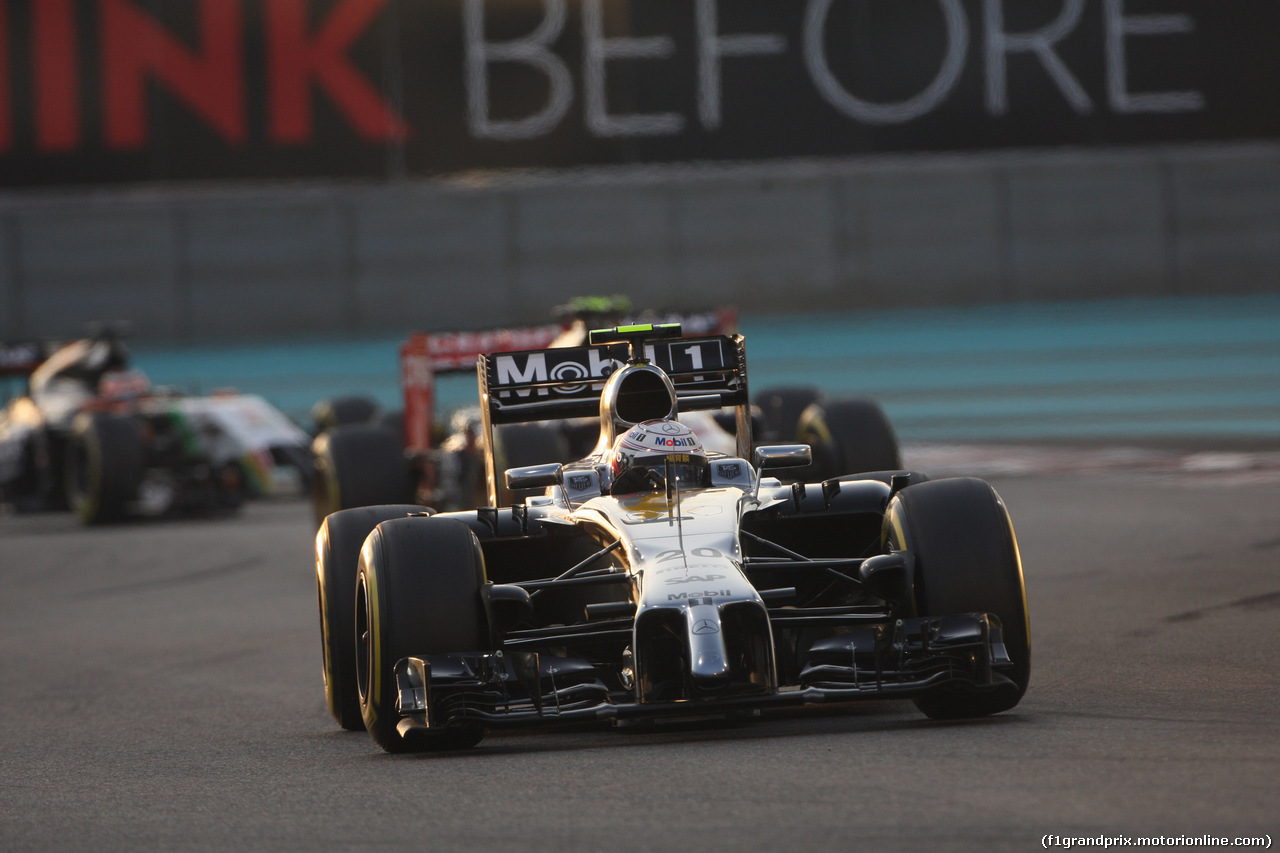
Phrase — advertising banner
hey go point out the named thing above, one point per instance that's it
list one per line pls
(102, 91)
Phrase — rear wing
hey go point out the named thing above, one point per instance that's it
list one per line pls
(18, 360)
(550, 384)
(567, 382)
(21, 358)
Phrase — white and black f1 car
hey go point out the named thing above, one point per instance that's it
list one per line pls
(653, 579)
(92, 435)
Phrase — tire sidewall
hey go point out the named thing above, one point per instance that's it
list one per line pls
(338, 544)
(966, 560)
(781, 408)
(848, 436)
(359, 465)
(517, 445)
(104, 466)
(417, 593)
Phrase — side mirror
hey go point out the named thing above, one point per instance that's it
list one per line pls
(534, 476)
(771, 456)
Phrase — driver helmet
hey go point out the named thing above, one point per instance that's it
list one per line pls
(644, 455)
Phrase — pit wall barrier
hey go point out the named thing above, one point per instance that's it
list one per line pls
(233, 262)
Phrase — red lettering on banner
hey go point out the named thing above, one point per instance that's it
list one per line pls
(211, 83)
(295, 58)
(57, 79)
(6, 100)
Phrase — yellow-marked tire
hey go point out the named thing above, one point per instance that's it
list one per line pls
(780, 410)
(104, 466)
(966, 561)
(338, 545)
(517, 445)
(359, 465)
(340, 411)
(847, 436)
(417, 593)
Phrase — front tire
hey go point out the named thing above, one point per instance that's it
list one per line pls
(338, 545)
(105, 465)
(417, 593)
(966, 561)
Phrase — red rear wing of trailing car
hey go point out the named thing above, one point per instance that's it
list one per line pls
(427, 354)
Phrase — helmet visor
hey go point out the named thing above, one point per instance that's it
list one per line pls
(688, 470)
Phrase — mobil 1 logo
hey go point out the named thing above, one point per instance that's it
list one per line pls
(689, 356)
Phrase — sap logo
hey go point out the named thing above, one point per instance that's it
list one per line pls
(695, 579)
(686, 596)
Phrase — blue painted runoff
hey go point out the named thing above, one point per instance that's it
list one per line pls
(1109, 370)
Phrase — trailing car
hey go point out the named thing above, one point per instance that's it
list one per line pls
(364, 456)
(656, 578)
(93, 435)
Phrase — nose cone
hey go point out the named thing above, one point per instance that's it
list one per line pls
(708, 660)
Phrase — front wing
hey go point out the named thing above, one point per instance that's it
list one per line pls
(904, 659)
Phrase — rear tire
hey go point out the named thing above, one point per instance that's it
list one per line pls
(341, 411)
(780, 410)
(359, 465)
(518, 445)
(417, 593)
(338, 545)
(530, 444)
(105, 465)
(966, 561)
(847, 437)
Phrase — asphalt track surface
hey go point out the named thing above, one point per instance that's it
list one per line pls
(160, 690)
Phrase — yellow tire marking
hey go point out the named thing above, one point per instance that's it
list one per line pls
(375, 619)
